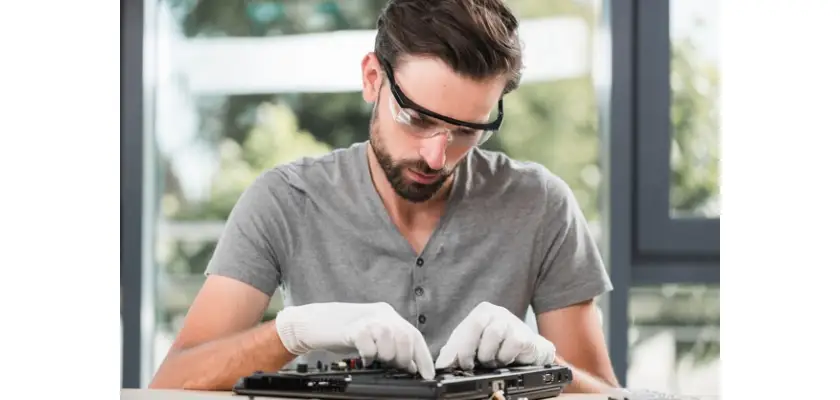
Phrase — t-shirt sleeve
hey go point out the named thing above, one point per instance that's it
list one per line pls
(572, 269)
(252, 247)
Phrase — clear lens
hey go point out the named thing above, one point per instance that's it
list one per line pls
(485, 136)
(423, 127)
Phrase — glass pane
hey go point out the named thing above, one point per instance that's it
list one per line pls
(674, 339)
(695, 109)
(220, 120)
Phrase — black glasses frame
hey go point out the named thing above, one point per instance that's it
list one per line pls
(405, 102)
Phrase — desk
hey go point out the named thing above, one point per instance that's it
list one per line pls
(148, 394)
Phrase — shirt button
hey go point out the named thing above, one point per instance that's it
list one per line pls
(419, 262)
(421, 319)
(418, 291)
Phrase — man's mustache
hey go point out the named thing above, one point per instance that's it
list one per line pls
(423, 167)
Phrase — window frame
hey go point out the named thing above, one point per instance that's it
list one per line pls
(131, 190)
(658, 233)
(137, 204)
(644, 245)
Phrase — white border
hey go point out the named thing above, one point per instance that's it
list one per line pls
(780, 202)
(59, 163)
(60, 199)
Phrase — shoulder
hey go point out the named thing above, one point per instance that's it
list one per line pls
(306, 175)
(496, 172)
(303, 170)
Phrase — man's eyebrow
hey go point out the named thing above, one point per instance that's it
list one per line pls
(465, 129)
(433, 120)
(426, 118)
(429, 119)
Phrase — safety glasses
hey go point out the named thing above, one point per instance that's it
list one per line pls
(416, 117)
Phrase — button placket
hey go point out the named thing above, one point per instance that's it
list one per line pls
(420, 298)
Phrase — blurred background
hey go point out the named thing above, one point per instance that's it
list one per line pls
(619, 100)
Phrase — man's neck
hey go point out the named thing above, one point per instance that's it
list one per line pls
(401, 210)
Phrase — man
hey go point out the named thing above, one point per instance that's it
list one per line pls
(416, 248)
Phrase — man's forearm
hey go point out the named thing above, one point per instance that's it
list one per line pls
(219, 364)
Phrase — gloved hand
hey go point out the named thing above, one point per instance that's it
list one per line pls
(374, 330)
(496, 337)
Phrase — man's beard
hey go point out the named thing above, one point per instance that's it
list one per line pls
(412, 191)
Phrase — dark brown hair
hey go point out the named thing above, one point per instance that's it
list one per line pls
(476, 38)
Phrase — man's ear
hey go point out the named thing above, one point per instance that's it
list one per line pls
(372, 77)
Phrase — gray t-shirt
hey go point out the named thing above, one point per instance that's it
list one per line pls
(512, 234)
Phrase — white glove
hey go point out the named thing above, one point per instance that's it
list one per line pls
(374, 330)
(496, 337)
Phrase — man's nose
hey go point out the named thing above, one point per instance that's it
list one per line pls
(433, 150)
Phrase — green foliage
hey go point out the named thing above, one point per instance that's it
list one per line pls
(188, 258)
(695, 116)
(273, 140)
(701, 352)
(240, 18)
(338, 119)
(553, 123)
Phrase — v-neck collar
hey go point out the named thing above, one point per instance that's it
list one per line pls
(456, 194)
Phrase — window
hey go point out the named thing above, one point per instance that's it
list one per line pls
(677, 152)
(662, 224)
(230, 104)
(695, 109)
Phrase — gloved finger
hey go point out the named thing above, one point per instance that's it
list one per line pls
(404, 348)
(548, 352)
(446, 357)
(539, 352)
(466, 337)
(512, 348)
(362, 339)
(423, 357)
(527, 357)
(383, 336)
(465, 354)
(491, 340)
